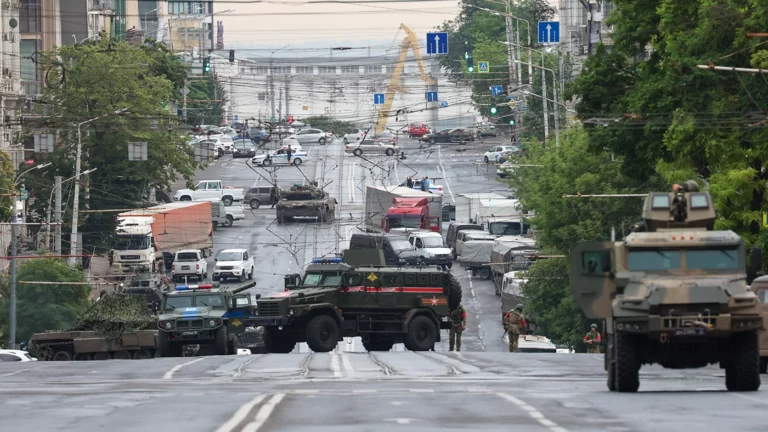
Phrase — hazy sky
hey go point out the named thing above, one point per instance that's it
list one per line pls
(311, 24)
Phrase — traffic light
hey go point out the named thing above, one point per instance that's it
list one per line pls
(206, 65)
(470, 63)
(511, 122)
(466, 55)
(231, 56)
(494, 109)
(290, 119)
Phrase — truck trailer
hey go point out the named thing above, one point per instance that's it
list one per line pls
(143, 235)
(402, 210)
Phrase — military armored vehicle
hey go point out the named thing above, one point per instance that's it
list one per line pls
(305, 201)
(674, 292)
(382, 305)
(204, 315)
(151, 286)
(760, 288)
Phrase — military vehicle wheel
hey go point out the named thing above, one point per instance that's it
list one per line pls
(227, 200)
(485, 273)
(421, 334)
(62, 356)
(357, 152)
(82, 356)
(763, 366)
(611, 373)
(454, 292)
(142, 355)
(389, 152)
(627, 364)
(229, 221)
(281, 343)
(168, 349)
(255, 204)
(744, 373)
(322, 333)
(122, 355)
(102, 356)
(221, 344)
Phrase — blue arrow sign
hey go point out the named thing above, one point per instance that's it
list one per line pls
(444, 104)
(431, 96)
(437, 43)
(549, 32)
(378, 98)
(497, 90)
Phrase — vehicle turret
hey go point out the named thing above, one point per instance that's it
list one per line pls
(685, 207)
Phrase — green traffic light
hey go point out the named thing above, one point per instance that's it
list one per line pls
(471, 69)
(511, 122)
(466, 56)
(494, 110)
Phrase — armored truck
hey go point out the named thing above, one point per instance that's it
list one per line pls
(382, 305)
(674, 292)
(204, 315)
(305, 202)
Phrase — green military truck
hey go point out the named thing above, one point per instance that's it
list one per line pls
(673, 292)
(207, 316)
(382, 305)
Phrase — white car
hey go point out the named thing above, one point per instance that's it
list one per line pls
(189, 263)
(371, 146)
(228, 131)
(355, 136)
(504, 169)
(435, 189)
(290, 141)
(497, 152)
(15, 356)
(311, 136)
(233, 263)
(280, 157)
(227, 142)
(282, 130)
(432, 248)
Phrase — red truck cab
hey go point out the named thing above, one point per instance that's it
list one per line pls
(410, 214)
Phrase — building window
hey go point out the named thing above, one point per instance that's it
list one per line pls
(281, 70)
(328, 70)
(29, 15)
(262, 96)
(373, 69)
(29, 77)
(190, 7)
(350, 69)
(305, 70)
(259, 70)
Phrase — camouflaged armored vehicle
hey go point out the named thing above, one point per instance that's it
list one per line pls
(205, 315)
(383, 305)
(152, 286)
(306, 202)
(674, 293)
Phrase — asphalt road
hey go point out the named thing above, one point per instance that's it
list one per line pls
(280, 249)
(389, 391)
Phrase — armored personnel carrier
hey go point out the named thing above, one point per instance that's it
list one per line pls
(674, 293)
(305, 201)
(151, 286)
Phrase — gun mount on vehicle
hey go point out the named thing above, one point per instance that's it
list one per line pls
(674, 294)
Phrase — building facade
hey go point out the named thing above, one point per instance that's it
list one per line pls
(11, 90)
(582, 25)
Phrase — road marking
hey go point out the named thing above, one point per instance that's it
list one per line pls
(364, 391)
(306, 391)
(335, 364)
(347, 365)
(14, 373)
(421, 390)
(533, 412)
(445, 175)
(263, 414)
(752, 398)
(168, 375)
(471, 287)
(241, 370)
(240, 414)
(351, 181)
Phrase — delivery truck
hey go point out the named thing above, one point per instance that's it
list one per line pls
(143, 235)
(401, 210)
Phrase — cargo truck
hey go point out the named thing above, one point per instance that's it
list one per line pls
(143, 235)
(402, 210)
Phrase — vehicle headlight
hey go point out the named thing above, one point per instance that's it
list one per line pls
(168, 325)
(290, 312)
(401, 260)
(260, 329)
(212, 323)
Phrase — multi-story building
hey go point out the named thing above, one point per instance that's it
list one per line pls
(190, 26)
(344, 88)
(11, 92)
(582, 25)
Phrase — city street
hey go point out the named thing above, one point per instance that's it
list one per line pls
(385, 391)
(282, 249)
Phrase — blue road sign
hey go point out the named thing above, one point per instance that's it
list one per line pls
(483, 67)
(549, 32)
(497, 90)
(444, 104)
(431, 96)
(378, 98)
(235, 118)
(437, 43)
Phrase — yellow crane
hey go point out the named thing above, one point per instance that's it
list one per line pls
(409, 42)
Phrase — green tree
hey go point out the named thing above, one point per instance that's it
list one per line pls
(6, 185)
(327, 124)
(208, 99)
(91, 80)
(45, 307)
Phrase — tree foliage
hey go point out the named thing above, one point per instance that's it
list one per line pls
(6, 185)
(207, 98)
(92, 81)
(327, 124)
(651, 105)
(45, 307)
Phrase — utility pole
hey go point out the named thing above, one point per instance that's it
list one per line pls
(184, 93)
(287, 109)
(544, 100)
(12, 317)
(272, 87)
(510, 48)
(57, 216)
(280, 105)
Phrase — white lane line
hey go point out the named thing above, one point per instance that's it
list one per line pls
(168, 375)
(752, 398)
(445, 175)
(347, 365)
(471, 288)
(533, 412)
(14, 373)
(421, 390)
(240, 414)
(335, 368)
(263, 414)
(351, 180)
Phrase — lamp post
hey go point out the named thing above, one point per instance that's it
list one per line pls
(72, 260)
(50, 198)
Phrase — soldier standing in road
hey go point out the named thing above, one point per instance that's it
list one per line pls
(513, 322)
(458, 325)
(273, 198)
(409, 182)
(593, 340)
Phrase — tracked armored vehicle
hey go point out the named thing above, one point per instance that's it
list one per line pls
(305, 202)
(150, 285)
(674, 292)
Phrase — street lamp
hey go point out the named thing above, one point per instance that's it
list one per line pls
(76, 202)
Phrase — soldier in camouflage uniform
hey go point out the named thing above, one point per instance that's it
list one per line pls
(593, 340)
(458, 325)
(514, 321)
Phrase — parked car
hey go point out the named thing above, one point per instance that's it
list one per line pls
(15, 356)
(227, 131)
(371, 146)
(355, 135)
(311, 136)
(189, 264)
(284, 130)
(432, 248)
(503, 170)
(386, 137)
(244, 148)
(497, 152)
(280, 157)
(234, 263)
(417, 130)
(456, 135)
(258, 195)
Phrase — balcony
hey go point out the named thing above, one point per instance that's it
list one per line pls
(102, 5)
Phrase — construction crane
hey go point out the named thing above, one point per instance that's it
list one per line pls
(409, 42)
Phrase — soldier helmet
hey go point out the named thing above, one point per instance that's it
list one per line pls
(519, 306)
(594, 326)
